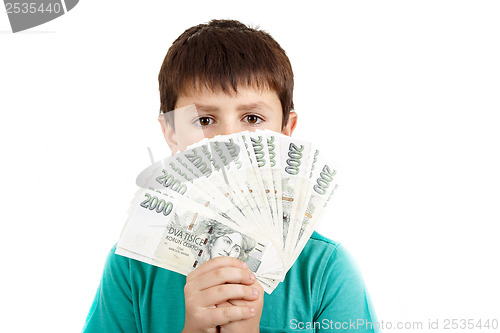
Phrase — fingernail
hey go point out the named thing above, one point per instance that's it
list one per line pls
(252, 309)
(244, 265)
(255, 292)
(252, 276)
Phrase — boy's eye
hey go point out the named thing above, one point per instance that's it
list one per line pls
(204, 121)
(253, 119)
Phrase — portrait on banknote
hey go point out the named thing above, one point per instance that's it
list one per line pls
(203, 240)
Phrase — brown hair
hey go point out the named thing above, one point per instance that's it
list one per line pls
(223, 54)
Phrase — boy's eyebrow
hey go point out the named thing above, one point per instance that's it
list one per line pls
(206, 108)
(258, 106)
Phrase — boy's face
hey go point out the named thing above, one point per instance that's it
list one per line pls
(220, 113)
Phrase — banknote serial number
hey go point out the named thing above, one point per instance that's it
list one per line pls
(158, 205)
(32, 8)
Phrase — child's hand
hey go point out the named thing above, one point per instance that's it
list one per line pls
(215, 282)
(246, 325)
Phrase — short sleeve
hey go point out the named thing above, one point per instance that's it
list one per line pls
(112, 309)
(343, 302)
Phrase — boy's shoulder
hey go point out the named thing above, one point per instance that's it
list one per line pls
(316, 236)
(325, 253)
(320, 244)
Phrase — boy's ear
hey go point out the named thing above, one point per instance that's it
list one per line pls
(169, 134)
(290, 125)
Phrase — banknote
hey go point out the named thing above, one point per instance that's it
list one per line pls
(175, 175)
(263, 167)
(321, 186)
(181, 235)
(256, 196)
(294, 159)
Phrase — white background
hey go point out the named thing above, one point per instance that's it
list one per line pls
(403, 95)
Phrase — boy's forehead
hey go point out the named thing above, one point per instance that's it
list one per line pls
(204, 90)
(245, 98)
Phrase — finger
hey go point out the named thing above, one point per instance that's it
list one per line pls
(255, 303)
(225, 304)
(225, 315)
(222, 293)
(223, 275)
(214, 264)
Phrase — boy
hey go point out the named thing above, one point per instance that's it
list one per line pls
(239, 79)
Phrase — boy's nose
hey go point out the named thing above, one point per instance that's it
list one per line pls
(228, 128)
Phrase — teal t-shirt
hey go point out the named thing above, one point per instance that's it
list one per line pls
(322, 291)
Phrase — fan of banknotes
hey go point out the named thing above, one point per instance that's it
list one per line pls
(256, 196)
